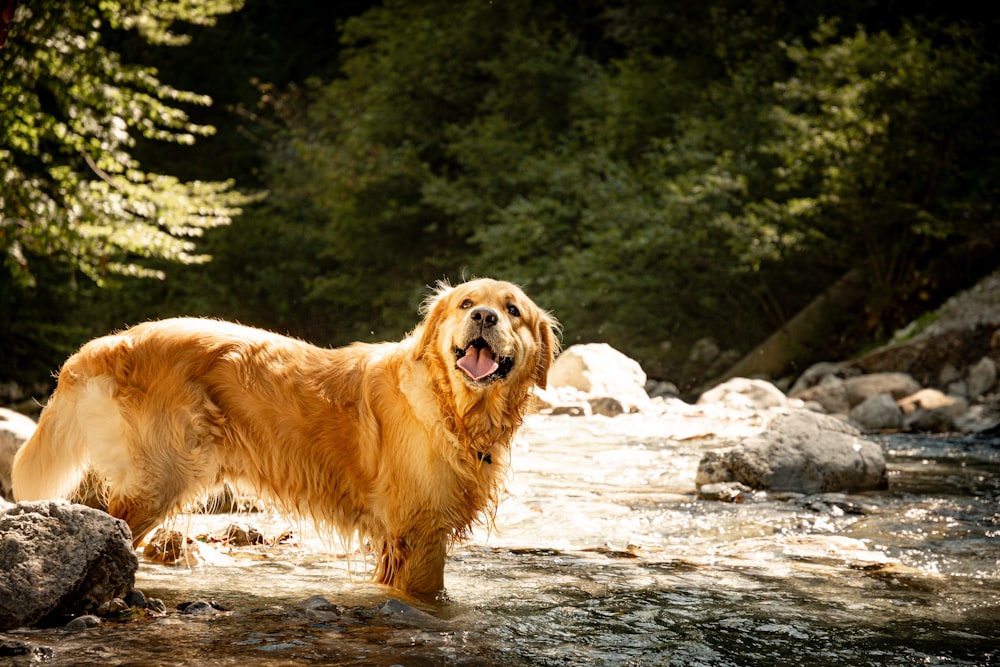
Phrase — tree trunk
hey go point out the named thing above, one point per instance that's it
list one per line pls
(796, 344)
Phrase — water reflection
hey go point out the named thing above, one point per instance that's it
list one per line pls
(601, 555)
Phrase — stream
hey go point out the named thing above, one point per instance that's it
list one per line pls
(601, 554)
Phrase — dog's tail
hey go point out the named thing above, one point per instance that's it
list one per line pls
(52, 463)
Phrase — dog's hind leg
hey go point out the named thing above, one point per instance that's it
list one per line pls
(164, 457)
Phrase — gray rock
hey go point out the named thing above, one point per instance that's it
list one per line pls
(662, 389)
(401, 614)
(606, 406)
(982, 376)
(878, 413)
(803, 452)
(817, 374)
(84, 622)
(60, 559)
(15, 428)
(830, 394)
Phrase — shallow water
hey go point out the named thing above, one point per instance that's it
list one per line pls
(601, 555)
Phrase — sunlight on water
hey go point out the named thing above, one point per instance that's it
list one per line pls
(602, 555)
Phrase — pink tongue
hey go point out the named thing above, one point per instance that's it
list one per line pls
(478, 363)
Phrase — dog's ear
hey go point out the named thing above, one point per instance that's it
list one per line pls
(433, 309)
(547, 335)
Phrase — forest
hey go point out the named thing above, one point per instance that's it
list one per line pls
(657, 174)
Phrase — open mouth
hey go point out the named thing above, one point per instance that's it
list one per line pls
(481, 364)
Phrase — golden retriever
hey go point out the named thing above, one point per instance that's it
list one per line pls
(405, 444)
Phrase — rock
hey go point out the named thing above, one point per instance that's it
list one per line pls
(802, 452)
(948, 374)
(704, 351)
(818, 373)
(745, 393)
(169, 547)
(933, 399)
(878, 413)
(606, 406)
(662, 389)
(243, 535)
(15, 428)
(136, 598)
(201, 608)
(830, 394)
(729, 492)
(597, 370)
(570, 410)
(400, 614)
(982, 377)
(932, 411)
(863, 387)
(84, 622)
(60, 559)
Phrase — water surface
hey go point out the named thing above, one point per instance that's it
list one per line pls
(602, 555)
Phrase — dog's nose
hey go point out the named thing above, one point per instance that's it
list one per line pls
(485, 317)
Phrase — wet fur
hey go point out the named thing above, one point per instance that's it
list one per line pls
(392, 441)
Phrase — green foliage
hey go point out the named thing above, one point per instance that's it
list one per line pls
(654, 173)
(875, 142)
(647, 185)
(70, 113)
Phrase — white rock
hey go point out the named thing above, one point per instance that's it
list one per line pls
(597, 370)
(745, 393)
(15, 428)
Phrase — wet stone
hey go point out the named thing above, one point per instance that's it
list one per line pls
(201, 608)
(729, 492)
(317, 603)
(12, 647)
(243, 536)
(168, 547)
(136, 598)
(84, 622)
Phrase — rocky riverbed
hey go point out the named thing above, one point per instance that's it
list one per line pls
(822, 512)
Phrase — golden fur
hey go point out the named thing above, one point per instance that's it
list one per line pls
(392, 441)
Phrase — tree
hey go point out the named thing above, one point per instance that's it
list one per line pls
(70, 112)
(73, 199)
(652, 176)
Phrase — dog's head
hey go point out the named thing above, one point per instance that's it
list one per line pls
(488, 333)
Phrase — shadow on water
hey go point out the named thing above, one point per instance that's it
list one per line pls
(603, 556)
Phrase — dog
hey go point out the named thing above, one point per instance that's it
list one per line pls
(404, 444)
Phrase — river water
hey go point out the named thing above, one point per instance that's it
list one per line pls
(601, 554)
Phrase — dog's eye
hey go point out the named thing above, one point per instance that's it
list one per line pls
(513, 311)
(466, 304)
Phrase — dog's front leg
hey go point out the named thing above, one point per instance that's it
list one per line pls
(414, 563)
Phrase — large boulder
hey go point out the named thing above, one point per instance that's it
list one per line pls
(862, 387)
(745, 393)
(60, 559)
(15, 428)
(801, 451)
(598, 371)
